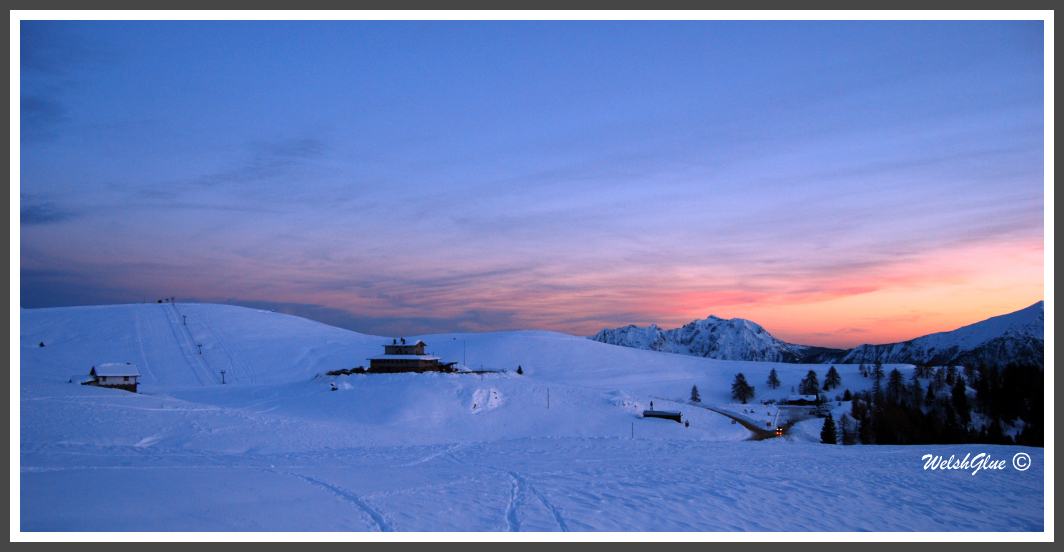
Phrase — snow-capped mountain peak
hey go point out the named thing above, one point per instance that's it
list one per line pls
(713, 337)
(1018, 335)
(1014, 336)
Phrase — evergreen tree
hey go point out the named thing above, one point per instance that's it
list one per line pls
(865, 430)
(847, 396)
(694, 394)
(938, 379)
(916, 391)
(864, 370)
(810, 385)
(740, 389)
(827, 434)
(773, 380)
(895, 385)
(877, 383)
(960, 402)
(995, 435)
(519, 369)
(832, 379)
(847, 427)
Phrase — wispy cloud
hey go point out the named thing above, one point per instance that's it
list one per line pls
(259, 178)
(50, 56)
(264, 161)
(40, 116)
(36, 212)
(471, 320)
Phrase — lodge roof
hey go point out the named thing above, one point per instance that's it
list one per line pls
(114, 369)
(404, 357)
(661, 412)
(397, 344)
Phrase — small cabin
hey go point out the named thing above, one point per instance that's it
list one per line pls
(667, 414)
(802, 400)
(116, 375)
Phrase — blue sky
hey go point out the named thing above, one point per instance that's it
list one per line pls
(839, 182)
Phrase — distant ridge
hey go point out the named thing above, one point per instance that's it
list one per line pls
(1018, 336)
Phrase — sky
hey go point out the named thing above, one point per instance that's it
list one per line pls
(837, 182)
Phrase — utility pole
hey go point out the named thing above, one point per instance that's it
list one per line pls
(183, 320)
(223, 377)
(200, 348)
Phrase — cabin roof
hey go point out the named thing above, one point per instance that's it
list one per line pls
(404, 357)
(811, 398)
(661, 412)
(114, 369)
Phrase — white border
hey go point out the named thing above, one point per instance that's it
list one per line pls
(18, 15)
(545, 15)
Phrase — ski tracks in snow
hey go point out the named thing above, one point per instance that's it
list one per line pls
(232, 349)
(140, 342)
(186, 345)
(449, 452)
(515, 501)
(375, 516)
(519, 496)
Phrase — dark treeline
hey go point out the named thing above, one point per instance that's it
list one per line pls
(947, 405)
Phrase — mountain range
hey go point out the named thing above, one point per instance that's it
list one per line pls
(1018, 336)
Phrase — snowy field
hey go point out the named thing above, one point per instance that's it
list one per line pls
(275, 449)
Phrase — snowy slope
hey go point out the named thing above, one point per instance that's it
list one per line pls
(275, 448)
(1016, 336)
(275, 366)
(253, 346)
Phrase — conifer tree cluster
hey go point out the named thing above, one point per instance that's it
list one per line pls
(942, 413)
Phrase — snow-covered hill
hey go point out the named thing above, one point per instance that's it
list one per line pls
(1016, 336)
(562, 447)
